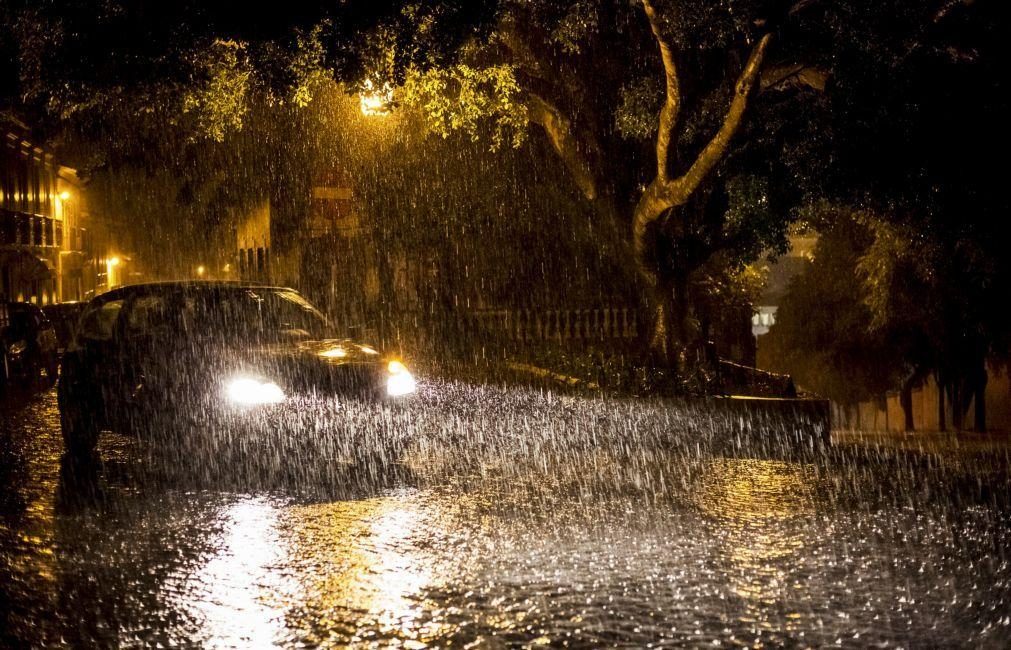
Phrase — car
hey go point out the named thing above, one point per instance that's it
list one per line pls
(206, 356)
(64, 317)
(28, 344)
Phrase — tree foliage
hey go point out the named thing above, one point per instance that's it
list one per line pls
(824, 335)
(691, 129)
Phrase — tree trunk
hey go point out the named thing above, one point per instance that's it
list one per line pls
(906, 400)
(979, 390)
(659, 340)
(941, 425)
(675, 340)
(955, 397)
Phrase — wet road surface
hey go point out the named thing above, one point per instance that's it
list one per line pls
(511, 519)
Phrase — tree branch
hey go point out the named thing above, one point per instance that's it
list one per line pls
(522, 55)
(711, 154)
(662, 195)
(797, 74)
(559, 130)
(672, 103)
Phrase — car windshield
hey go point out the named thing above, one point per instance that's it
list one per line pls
(261, 314)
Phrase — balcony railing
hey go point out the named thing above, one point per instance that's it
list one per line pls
(536, 325)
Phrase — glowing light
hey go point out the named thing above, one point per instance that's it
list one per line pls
(201, 270)
(249, 392)
(375, 101)
(400, 382)
(64, 195)
(110, 271)
(367, 350)
(334, 353)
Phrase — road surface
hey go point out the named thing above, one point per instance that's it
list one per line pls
(512, 519)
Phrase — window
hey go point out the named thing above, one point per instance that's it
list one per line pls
(245, 315)
(99, 321)
(22, 172)
(24, 228)
(8, 229)
(33, 170)
(147, 316)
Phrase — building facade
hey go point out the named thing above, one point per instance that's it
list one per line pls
(325, 251)
(51, 248)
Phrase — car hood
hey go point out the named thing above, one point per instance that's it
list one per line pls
(316, 365)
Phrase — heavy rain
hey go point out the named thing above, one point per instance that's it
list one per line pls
(587, 323)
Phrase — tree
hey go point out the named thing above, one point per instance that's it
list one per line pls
(823, 335)
(917, 126)
(917, 101)
(686, 125)
(585, 73)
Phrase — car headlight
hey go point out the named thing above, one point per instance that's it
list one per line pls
(401, 381)
(249, 391)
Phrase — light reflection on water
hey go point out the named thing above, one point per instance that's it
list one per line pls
(749, 501)
(360, 566)
(237, 595)
(604, 546)
(276, 572)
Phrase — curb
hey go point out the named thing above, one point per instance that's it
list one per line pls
(554, 376)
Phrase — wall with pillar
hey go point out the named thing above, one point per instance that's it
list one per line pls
(875, 416)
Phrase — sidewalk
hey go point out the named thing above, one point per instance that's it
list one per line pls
(937, 442)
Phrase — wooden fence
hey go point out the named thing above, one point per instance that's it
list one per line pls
(560, 325)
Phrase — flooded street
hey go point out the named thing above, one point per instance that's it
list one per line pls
(503, 324)
(460, 542)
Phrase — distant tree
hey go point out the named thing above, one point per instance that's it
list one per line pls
(917, 124)
(944, 298)
(823, 335)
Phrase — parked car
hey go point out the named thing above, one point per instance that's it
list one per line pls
(28, 344)
(212, 355)
(64, 317)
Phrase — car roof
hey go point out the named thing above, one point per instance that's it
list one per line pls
(23, 306)
(185, 285)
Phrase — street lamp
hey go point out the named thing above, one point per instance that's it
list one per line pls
(110, 265)
(375, 101)
(200, 271)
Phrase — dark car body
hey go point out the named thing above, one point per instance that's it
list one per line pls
(64, 317)
(207, 355)
(28, 344)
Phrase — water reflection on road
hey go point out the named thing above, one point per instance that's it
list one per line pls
(465, 543)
